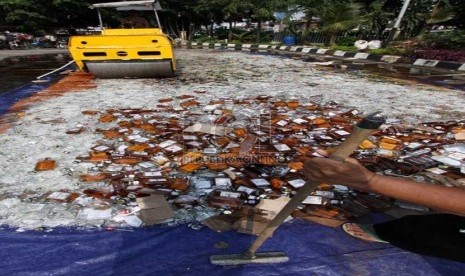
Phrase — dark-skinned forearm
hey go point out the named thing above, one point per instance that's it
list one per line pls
(447, 199)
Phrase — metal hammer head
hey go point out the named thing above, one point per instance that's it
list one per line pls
(372, 121)
(258, 258)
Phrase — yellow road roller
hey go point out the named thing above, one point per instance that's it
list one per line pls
(131, 52)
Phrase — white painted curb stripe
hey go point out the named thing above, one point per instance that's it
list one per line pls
(390, 58)
(293, 49)
(385, 58)
(426, 62)
(361, 55)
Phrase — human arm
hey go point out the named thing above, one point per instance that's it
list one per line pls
(353, 174)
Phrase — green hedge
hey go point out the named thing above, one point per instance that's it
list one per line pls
(346, 41)
(344, 48)
(390, 51)
(452, 40)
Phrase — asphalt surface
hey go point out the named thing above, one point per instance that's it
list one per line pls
(18, 67)
(18, 53)
(407, 72)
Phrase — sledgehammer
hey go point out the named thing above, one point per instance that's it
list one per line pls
(361, 132)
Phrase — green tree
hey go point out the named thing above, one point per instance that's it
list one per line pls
(458, 7)
(212, 10)
(262, 10)
(184, 13)
(74, 13)
(234, 10)
(339, 16)
(27, 15)
(219, 11)
(416, 17)
(35, 15)
(377, 18)
(443, 11)
(422, 14)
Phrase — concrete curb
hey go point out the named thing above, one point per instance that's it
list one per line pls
(448, 65)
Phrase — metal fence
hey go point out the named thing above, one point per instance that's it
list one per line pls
(317, 37)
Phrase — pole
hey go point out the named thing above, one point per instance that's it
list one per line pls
(100, 19)
(156, 13)
(395, 29)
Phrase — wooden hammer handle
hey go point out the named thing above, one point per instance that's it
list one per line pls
(358, 135)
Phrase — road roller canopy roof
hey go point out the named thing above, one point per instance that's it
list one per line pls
(130, 5)
(150, 5)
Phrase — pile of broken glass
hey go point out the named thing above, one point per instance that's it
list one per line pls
(234, 163)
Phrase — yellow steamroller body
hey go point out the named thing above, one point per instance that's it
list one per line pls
(125, 53)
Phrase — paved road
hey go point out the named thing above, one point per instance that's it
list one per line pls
(14, 53)
(17, 72)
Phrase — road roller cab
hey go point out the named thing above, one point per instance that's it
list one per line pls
(119, 53)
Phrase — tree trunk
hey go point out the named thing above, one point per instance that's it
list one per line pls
(259, 27)
(230, 33)
(304, 30)
(191, 31)
(332, 38)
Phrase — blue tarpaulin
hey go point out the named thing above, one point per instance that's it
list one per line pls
(9, 98)
(313, 250)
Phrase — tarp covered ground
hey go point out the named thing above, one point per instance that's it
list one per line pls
(313, 250)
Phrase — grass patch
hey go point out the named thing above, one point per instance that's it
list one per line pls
(344, 48)
(390, 51)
